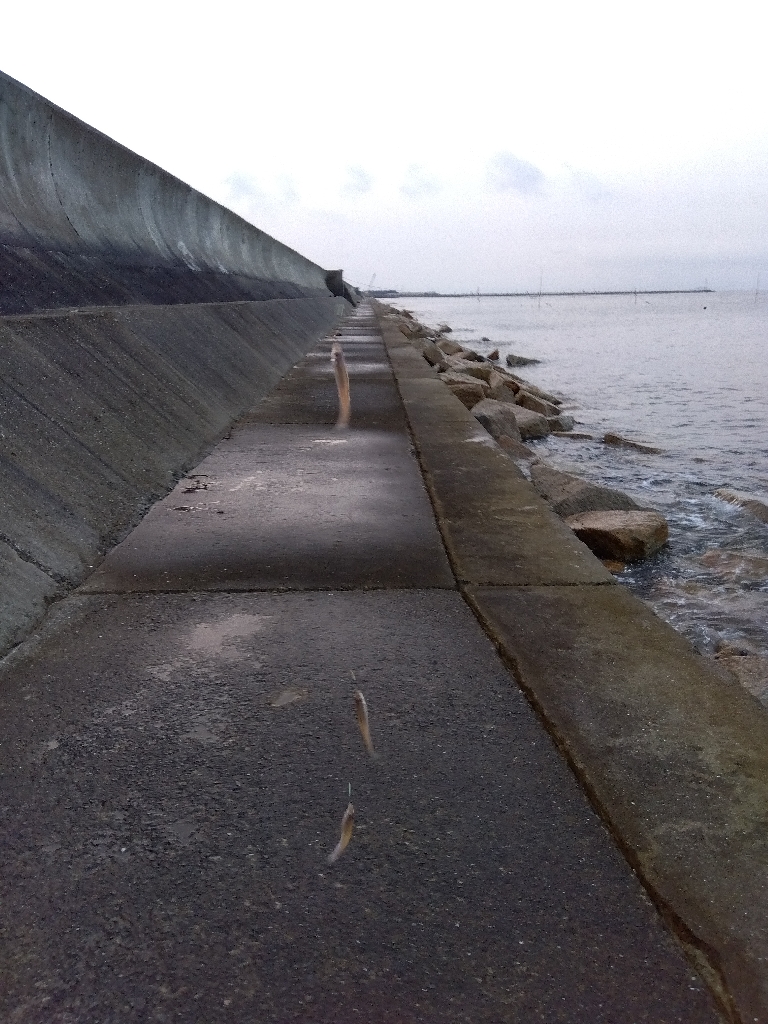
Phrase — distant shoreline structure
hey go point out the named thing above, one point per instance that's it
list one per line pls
(391, 294)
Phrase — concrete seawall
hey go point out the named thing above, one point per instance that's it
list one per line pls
(184, 315)
(84, 221)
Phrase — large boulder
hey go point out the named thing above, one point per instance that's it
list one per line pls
(451, 377)
(482, 371)
(469, 393)
(623, 536)
(498, 418)
(622, 442)
(434, 355)
(502, 392)
(569, 495)
(516, 449)
(532, 389)
(536, 404)
(559, 424)
(449, 347)
(413, 330)
(531, 424)
(513, 360)
(497, 377)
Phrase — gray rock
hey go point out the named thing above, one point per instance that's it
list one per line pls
(532, 389)
(413, 330)
(469, 393)
(449, 347)
(498, 418)
(433, 355)
(536, 404)
(502, 393)
(513, 360)
(516, 449)
(625, 536)
(452, 377)
(482, 371)
(531, 424)
(496, 377)
(561, 423)
(569, 495)
(622, 442)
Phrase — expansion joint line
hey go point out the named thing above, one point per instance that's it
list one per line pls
(30, 559)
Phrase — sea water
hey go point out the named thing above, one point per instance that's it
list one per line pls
(685, 373)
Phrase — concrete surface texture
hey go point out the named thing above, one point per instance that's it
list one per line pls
(178, 750)
(84, 221)
(674, 756)
(137, 319)
(101, 409)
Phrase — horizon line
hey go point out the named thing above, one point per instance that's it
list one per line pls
(383, 293)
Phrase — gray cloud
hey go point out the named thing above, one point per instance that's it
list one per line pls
(589, 187)
(508, 173)
(243, 187)
(358, 182)
(244, 192)
(288, 190)
(418, 183)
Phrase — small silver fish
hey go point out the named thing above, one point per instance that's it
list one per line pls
(347, 825)
(362, 721)
(342, 384)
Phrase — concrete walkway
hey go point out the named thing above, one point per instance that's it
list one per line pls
(179, 743)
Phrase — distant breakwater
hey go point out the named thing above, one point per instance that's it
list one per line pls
(530, 295)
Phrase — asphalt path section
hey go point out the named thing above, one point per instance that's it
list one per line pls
(178, 752)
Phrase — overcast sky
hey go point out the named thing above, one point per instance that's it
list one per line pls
(490, 145)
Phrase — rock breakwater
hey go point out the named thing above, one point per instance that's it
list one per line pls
(515, 411)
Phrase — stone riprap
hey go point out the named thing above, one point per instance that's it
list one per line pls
(624, 536)
(569, 495)
(514, 410)
(498, 419)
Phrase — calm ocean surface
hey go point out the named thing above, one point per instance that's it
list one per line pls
(684, 373)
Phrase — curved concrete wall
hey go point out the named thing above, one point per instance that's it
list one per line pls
(103, 225)
(185, 316)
